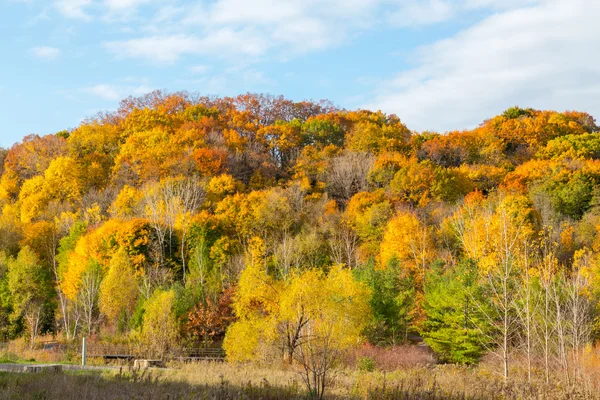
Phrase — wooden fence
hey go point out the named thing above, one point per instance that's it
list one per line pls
(109, 351)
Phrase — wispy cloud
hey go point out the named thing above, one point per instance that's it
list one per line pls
(275, 28)
(168, 49)
(46, 52)
(74, 9)
(114, 92)
(538, 56)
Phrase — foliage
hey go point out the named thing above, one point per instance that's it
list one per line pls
(137, 223)
(159, 327)
(451, 304)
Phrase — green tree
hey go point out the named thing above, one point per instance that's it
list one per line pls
(7, 325)
(393, 302)
(453, 328)
(159, 329)
(30, 285)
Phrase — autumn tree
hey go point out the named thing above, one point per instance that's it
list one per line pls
(30, 286)
(159, 328)
(208, 322)
(119, 289)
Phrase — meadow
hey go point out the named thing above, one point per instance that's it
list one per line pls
(404, 372)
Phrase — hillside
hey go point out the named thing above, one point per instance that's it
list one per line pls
(178, 218)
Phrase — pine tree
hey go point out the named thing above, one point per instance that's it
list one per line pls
(453, 328)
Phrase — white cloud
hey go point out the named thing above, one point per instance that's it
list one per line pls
(167, 49)
(124, 5)
(421, 12)
(122, 10)
(276, 28)
(540, 56)
(75, 9)
(115, 92)
(46, 52)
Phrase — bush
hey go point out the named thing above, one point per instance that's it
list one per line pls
(366, 364)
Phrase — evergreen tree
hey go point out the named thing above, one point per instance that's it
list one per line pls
(393, 302)
(453, 298)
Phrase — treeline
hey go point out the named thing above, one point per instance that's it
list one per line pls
(290, 228)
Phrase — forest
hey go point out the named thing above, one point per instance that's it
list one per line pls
(299, 231)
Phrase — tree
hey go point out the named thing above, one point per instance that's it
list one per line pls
(313, 319)
(455, 328)
(171, 204)
(393, 303)
(119, 289)
(30, 286)
(409, 241)
(328, 315)
(159, 327)
(208, 322)
(348, 175)
(89, 294)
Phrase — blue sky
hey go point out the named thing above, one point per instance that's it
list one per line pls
(438, 64)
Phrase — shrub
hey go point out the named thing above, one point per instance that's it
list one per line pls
(366, 364)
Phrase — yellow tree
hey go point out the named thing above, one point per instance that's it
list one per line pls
(410, 242)
(159, 329)
(327, 315)
(493, 232)
(119, 289)
(312, 318)
(255, 304)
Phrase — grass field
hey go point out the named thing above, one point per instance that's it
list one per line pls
(222, 381)
(403, 372)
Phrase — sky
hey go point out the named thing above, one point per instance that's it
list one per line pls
(439, 65)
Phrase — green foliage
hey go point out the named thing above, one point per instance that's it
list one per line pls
(67, 245)
(366, 364)
(392, 302)
(31, 290)
(570, 196)
(586, 146)
(516, 112)
(452, 305)
(322, 132)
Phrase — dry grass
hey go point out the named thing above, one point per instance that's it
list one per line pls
(400, 373)
(222, 381)
(392, 358)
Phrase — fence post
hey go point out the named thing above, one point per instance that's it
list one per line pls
(83, 352)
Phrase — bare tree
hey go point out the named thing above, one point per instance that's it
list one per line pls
(343, 243)
(348, 174)
(579, 308)
(172, 204)
(88, 296)
(527, 308)
(547, 270)
(502, 281)
(560, 323)
(286, 255)
(317, 355)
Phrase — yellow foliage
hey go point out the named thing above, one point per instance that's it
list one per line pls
(159, 326)
(126, 202)
(326, 310)
(220, 186)
(119, 289)
(33, 198)
(93, 246)
(409, 241)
